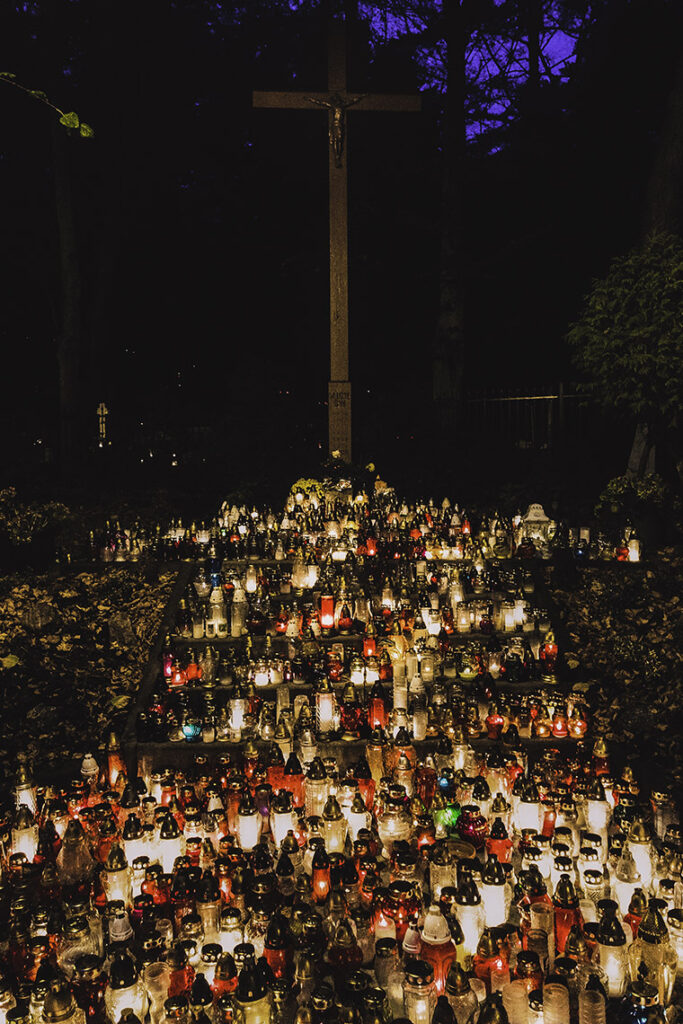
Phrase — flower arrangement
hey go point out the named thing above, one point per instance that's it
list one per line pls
(307, 486)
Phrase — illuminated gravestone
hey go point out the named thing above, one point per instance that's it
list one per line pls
(536, 526)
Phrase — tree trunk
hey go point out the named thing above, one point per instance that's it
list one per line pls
(664, 199)
(641, 459)
(116, 66)
(69, 341)
(534, 26)
(664, 213)
(449, 347)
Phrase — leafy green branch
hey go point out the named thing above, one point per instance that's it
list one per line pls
(69, 119)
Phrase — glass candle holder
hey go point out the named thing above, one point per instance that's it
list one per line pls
(592, 1009)
(613, 960)
(542, 916)
(555, 1003)
(156, 977)
(419, 998)
(516, 1002)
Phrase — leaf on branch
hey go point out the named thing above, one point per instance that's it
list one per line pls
(38, 94)
(86, 131)
(70, 120)
(7, 74)
(120, 702)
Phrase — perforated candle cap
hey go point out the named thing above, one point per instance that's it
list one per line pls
(457, 982)
(418, 972)
(435, 929)
(653, 926)
(468, 895)
(116, 859)
(493, 1010)
(643, 994)
(493, 872)
(639, 832)
(565, 895)
(638, 905)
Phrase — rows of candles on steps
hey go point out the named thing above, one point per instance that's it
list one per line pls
(346, 527)
(553, 893)
(395, 674)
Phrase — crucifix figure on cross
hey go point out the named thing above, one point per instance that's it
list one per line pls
(337, 101)
(337, 106)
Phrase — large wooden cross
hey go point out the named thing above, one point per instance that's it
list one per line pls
(337, 101)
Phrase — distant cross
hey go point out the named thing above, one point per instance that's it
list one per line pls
(338, 101)
(102, 413)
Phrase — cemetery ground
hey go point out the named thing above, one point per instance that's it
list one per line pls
(75, 638)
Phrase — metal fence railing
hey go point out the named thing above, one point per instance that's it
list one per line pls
(540, 417)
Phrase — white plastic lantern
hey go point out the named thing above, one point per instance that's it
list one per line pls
(316, 789)
(251, 580)
(640, 845)
(325, 708)
(134, 842)
(470, 915)
(171, 844)
(519, 612)
(117, 877)
(357, 816)
(400, 692)
(313, 571)
(614, 962)
(238, 611)
(282, 818)
(231, 932)
(433, 620)
(248, 824)
(24, 791)
(238, 710)
(299, 573)
(493, 894)
(25, 833)
(333, 826)
(90, 769)
(528, 811)
(125, 990)
(357, 671)
(626, 880)
(598, 813)
(371, 670)
(261, 673)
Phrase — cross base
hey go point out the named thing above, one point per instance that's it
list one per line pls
(339, 406)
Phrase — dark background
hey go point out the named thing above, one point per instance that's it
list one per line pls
(202, 238)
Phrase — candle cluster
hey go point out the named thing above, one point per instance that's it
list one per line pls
(533, 888)
(333, 523)
(359, 791)
(338, 641)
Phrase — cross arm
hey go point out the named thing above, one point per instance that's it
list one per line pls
(289, 100)
(389, 101)
(358, 101)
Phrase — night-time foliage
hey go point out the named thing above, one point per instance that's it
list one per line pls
(628, 344)
(629, 340)
(69, 120)
(499, 52)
